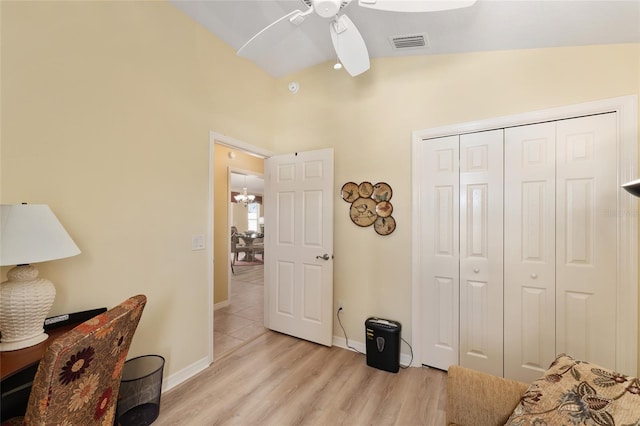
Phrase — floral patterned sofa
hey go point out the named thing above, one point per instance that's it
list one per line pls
(571, 392)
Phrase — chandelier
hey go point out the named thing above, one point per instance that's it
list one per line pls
(244, 198)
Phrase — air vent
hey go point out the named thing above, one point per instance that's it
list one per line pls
(414, 41)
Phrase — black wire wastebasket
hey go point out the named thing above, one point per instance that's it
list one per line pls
(140, 390)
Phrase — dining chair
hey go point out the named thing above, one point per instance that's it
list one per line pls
(236, 248)
(257, 247)
(78, 378)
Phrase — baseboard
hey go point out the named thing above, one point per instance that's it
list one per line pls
(341, 342)
(221, 305)
(185, 374)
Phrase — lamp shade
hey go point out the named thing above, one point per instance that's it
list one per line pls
(633, 187)
(31, 233)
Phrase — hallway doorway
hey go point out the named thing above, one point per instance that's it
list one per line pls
(237, 300)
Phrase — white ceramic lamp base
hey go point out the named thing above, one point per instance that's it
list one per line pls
(25, 301)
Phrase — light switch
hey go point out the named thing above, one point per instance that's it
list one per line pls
(197, 242)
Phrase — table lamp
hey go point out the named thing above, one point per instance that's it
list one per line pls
(633, 187)
(30, 233)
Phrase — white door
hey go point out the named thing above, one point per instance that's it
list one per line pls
(560, 244)
(569, 264)
(299, 244)
(481, 251)
(439, 247)
(529, 250)
(586, 236)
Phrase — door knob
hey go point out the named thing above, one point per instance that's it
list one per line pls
(476, 270)
(534, 275)
(323, 257)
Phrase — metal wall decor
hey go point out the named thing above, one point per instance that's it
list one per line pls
(370, 205)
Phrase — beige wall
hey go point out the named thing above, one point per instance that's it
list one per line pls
(106, 113)
(222, 224)
(369, 122)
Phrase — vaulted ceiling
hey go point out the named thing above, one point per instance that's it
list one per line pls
(487, 25)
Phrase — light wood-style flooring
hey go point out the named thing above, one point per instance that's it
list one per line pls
(260, 377)
(280, 380)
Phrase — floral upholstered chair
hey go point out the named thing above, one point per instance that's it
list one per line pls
(79, 376)
(574, 392)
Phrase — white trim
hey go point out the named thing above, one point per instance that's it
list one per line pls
(627, 303)
(627, 268)
(341, 342)
(210, 252)
(221, 305)
(416, 253)
(588, 108)
(237, 144)
(185, 374)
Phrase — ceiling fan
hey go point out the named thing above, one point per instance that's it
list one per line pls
(347, 41)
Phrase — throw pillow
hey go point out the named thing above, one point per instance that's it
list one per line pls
(573, 392)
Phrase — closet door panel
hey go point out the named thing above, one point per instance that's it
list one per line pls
(481, 251)
(439, 247)
(587, 238)
(529, 281)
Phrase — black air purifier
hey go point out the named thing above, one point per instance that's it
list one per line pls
(383, 344)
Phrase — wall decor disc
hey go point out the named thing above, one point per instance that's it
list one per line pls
(365, 189)
(385, 225)
(363, 212)
(381, 192)
(384, 209)
(350, 192)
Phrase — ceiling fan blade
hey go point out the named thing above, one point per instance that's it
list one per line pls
(349, 45)
(415, 5)
(271, 35)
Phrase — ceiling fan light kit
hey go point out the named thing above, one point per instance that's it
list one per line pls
(326, 8)
(348, 43)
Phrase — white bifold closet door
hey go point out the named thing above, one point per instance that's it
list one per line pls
(440, 250)
(560, 243)
(530, 250)
(519, 246)
(481, 254)
(461, 213)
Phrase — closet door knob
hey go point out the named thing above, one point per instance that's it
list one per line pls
(534, 276)
(476, 270)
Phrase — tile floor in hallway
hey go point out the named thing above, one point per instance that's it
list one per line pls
(242, 320)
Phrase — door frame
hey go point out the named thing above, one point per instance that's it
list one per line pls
(626, 108)
(219, 138)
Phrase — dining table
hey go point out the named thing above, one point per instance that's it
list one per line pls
(248, 239)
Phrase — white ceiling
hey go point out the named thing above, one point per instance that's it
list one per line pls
(254, 184)
(487, 25)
